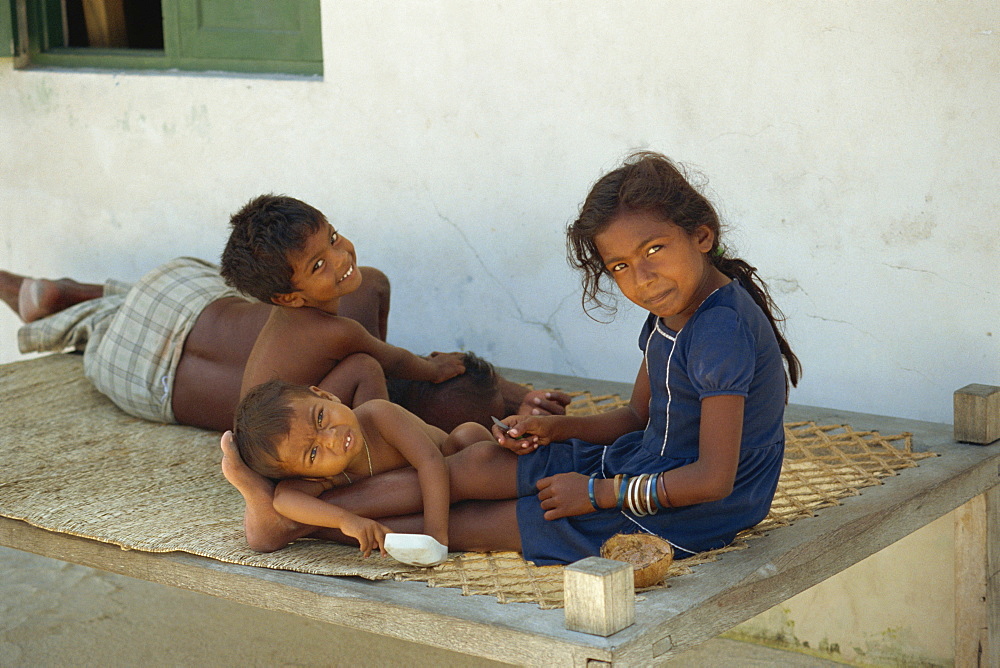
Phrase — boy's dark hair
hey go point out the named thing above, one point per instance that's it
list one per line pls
(264, 416)
(650, 182)
(264, 232)
(464, 398)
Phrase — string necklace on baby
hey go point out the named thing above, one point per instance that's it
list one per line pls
(371, 471)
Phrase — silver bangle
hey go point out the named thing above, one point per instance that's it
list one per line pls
(635, 495)
(651, 508)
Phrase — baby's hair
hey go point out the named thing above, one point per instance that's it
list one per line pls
(263, 416)
(650, 182)
(264, 232)
(470, 390)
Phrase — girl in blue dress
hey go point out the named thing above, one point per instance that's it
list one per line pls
(695, 457)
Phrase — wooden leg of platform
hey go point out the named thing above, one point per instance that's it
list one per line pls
(977, 581)
(599, 596)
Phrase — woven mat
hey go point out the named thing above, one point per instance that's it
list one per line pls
(823, 464)
(74, 463)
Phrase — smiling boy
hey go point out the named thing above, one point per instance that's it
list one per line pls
(174, 346)
(283, 251)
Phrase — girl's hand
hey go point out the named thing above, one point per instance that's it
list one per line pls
(525, 433)
(544, 402)
(564, 495)
(446, 365)
(369, 533)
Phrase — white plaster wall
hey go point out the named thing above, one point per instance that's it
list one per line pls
(852, 145)
(895, 608)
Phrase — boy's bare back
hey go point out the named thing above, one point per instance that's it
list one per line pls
(309, 346)
(302, 346)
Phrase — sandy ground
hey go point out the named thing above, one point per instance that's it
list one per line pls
(57, 614)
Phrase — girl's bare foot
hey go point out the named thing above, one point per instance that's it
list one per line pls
(266, 530)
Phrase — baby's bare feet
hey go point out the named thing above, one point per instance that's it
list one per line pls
(266, 530)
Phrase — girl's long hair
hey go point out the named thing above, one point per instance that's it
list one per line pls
(650, 182)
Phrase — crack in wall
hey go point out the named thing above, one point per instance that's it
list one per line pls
(547, 326)
(556, 336)
(978, 288)
(844, 322)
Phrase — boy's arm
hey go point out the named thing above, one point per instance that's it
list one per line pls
(296, 500)
(351, 337)
(405, 432)
(528, 432)
(519, 400)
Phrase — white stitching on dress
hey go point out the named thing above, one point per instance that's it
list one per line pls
(666, 381)
(672, 544)
(645, 356)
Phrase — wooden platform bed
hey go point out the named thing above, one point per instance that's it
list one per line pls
(692, 609)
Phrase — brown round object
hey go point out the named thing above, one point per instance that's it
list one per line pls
(649, 555)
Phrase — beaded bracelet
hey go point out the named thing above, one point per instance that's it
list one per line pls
(590, 492)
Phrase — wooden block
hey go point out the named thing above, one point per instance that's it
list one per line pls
(599, 596)
(977, 414)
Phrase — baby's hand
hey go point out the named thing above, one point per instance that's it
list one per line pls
(369, 533)
(446, 365)
(544, 402)
(524, 433)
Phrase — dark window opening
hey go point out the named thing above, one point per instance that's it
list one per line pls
(116, 24)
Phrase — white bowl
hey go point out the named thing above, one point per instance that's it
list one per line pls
(415, 549)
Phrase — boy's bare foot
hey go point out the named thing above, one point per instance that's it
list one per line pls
(38, 298)
(35, 298)
(266, 530)
(10, 289)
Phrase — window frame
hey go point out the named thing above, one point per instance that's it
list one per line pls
(44, 28)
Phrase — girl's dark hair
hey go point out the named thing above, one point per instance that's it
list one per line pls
(264, 233)
(263, 416)
(650, 182)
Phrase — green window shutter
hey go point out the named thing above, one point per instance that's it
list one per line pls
(251, 35)
(7, 23)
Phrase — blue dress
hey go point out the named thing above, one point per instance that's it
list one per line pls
(726, 348)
